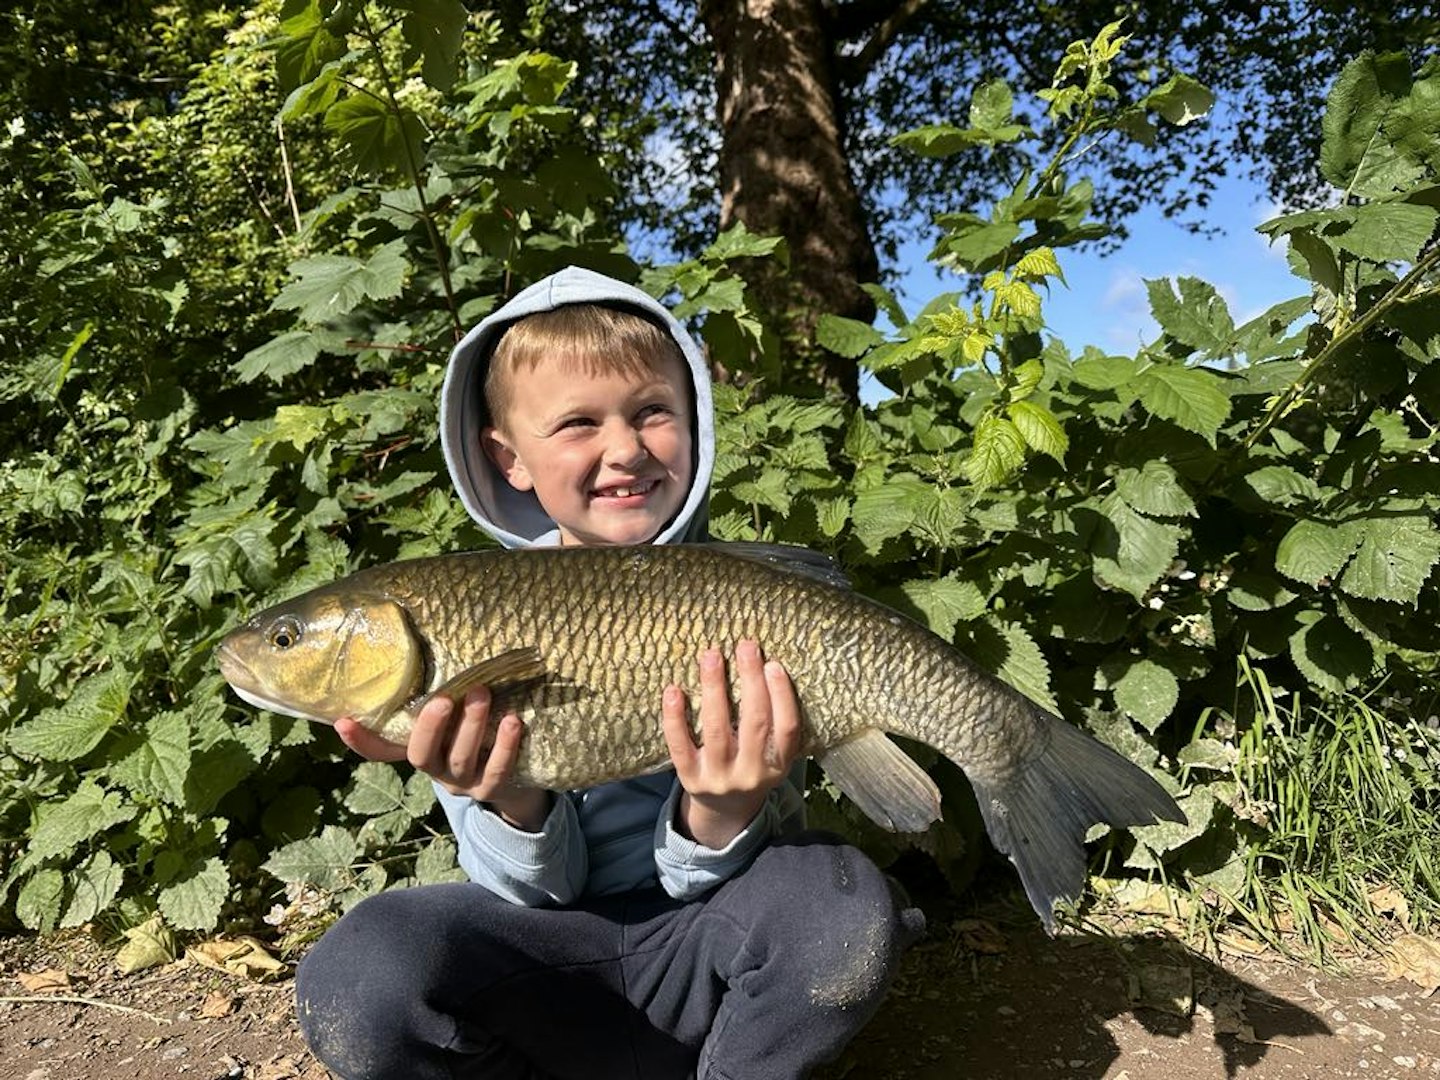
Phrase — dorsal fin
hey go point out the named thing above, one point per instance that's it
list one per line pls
(788, 557)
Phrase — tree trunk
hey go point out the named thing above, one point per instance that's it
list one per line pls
(783, 169)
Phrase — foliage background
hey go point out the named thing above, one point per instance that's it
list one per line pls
(231, 287)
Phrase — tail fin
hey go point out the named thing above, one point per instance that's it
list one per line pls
(1039, 816)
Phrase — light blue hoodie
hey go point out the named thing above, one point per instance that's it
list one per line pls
(620, 836)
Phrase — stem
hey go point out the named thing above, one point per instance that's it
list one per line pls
(289, 176)
(442, 256)
(1353, 330)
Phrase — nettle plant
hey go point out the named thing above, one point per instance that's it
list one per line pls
(1113, 534)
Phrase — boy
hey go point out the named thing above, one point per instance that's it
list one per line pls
(667, 926)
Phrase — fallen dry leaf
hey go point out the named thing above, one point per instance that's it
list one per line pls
(982, 936)
(1389, 901)
(148, 945)
(1416, 958)
(1166, 988)
(217, 1005)
(243, 956)
(49, 981)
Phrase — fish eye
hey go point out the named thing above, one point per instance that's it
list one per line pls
(284, 634)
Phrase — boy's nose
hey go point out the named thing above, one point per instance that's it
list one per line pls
(624, 447)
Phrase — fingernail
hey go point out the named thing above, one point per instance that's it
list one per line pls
(711, 658)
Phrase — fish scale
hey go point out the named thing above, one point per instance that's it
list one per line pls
(614, 626)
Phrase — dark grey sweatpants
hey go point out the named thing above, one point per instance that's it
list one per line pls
(766, 976)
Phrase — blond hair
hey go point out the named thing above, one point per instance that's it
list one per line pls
(590, 338)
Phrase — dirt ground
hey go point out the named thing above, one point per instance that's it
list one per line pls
(986, 996)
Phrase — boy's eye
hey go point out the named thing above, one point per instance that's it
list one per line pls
(575, 421)
(651, 411)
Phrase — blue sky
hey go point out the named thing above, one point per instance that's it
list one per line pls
(1106, 304)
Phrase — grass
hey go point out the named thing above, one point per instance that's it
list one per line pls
(1339, 803)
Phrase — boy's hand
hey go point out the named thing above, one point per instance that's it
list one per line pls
(727, 778)
(458, 748)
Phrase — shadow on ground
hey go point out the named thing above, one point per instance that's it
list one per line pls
(993, 997)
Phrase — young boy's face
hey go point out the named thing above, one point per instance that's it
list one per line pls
(607, 454)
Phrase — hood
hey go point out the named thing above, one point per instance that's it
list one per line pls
(515, 518)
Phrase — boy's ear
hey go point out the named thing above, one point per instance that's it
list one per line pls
(498, 449)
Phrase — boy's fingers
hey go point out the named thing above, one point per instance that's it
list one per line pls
(430, 739)
(715, 727)
(677, 730)
(366, 743)
(500, 764)
(755, 708)
(785, 733)
(466, 752)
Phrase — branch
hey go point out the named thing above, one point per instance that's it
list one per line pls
(859, 65)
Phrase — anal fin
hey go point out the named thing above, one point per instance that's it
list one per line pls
(883, 781)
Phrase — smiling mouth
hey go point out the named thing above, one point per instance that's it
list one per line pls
(625, 491)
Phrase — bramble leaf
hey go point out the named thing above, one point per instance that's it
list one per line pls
(1189, 397)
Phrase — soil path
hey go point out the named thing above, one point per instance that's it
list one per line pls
(983, 998)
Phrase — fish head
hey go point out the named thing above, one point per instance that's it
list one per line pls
(325, 655)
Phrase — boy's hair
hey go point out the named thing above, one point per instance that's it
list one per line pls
(594, 338)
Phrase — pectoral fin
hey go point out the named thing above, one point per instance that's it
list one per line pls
(883, 781)
(505, 675)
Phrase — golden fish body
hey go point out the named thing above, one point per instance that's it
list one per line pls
(581, 643)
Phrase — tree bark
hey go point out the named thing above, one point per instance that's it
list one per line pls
(783, 169)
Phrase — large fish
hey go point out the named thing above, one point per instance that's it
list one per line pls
(582, 641)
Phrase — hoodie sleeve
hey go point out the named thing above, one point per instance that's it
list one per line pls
(688, 869)
(530, 869)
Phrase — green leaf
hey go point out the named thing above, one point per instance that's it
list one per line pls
(379, 138)
(193, 900)
(292, 351)
(1395, 558)
(1134, 552)
(435, 29)
(1154, 840)
(305, 46)
(849, 338)
(64, 826)
(1155, 489)
(1147, 691)
(1096, 371)
(1180, 100)
(159, 764)
(997, 454)
(374, 789)
(972, 245)
(1252, 591)
(888, 510)
(94, 884)
(1329, 653)
(327, 286)
(1039, 428)
(1198, 317)
(1008, 650)
(1386, 232)
(945, 602)
(939, 140)
(1282, 485)
(70, 731)
(436, 863)
(1356, 154)
(992, 105)
(323, 861)
(1315, 551)
(40, 900)
(1192, 398)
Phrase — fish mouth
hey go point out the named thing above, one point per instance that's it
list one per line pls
(242, 680)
